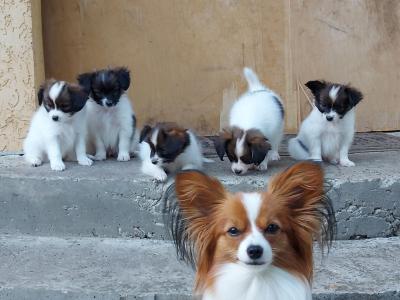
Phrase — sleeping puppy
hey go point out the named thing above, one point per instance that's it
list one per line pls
(256, 123)
(168, 147)
(58, 128)
(112, 121)
(327, 133)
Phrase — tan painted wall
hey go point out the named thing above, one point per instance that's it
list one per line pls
(186, 56)
(21, 68)
(350, 41)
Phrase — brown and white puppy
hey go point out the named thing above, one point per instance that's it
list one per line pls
(248, 147)
(327, 133)
(256, 122)
(167, 147)
(58, 128)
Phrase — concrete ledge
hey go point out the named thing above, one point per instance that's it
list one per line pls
(113, 199)
(84, 268)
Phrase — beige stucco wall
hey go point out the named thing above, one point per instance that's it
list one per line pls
(21, 68)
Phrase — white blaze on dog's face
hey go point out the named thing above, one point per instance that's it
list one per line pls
(334, 100)
(256, 230)
(245, 149)
(61, 100)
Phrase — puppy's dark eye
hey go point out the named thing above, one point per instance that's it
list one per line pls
(272, 229)
(233, 231)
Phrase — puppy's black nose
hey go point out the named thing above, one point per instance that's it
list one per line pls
(254, 252)
(238, 172)
(329, 118)
(154, 161)
(108, 103)
(55, 118)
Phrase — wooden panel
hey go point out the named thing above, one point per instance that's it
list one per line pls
(350, 41)
(186, 56)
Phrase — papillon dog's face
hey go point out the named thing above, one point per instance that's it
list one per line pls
(61, 99)
(166, 140)
(334, 100)
(256, 231)
(244, 148)
(106, 86)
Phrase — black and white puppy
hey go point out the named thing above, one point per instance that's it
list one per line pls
(58, 128)
(111, 120)
(256, 123)
(168, 147)
(327, 133)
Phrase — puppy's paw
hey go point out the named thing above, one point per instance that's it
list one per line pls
(99, 156)
(123, 156)
(85, 161)
(334, 161)
(57, 165)
(160, 175)
(263, 166)
(35, 162)
(347, 163)
(273, 155)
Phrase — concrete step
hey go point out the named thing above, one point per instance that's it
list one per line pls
(113, 199)
(110, 268)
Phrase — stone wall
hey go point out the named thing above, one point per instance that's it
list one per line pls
(21, 68)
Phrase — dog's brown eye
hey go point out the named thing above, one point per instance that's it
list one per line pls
(233, 231)
(272, 229)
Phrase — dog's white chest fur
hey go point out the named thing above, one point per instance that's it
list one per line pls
(107, 123)
(236, 282)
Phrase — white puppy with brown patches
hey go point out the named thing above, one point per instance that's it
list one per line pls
(168, 147)
(327, 133)
(58, 128)
(255, 130)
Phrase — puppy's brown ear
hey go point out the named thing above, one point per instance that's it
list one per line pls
(85, 80)
(355, 96)
(220, 144)
(258, 144)
(124, 77)
(79, 97)
(40, 94)
(316, 86)
(145, 131)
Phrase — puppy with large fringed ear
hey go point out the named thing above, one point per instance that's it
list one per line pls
(251, 246)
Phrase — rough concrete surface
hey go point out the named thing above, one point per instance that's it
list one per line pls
(94, 268)
(113, 199)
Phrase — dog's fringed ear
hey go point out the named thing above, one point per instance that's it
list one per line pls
(220, 143)
(124, 78)
(79, 97)
(259, 146)
(145, 131)
(301, 188)
(40, 94)
(355, 96)
(85, 80)
(316, 86)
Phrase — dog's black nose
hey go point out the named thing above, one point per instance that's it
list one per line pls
(55, 118)
(108, 103)
(154, 161)
(238, 172)
(329, 118)
(254, 252)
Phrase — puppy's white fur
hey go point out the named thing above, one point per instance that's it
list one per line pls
(326, 140)
(53, 141)
(110, 129)
(258, 109)
(190, 158)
